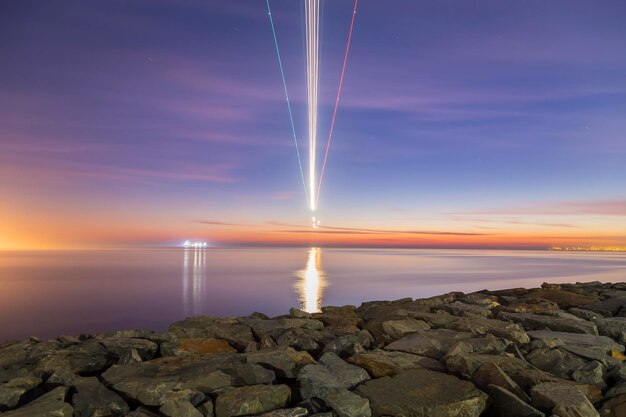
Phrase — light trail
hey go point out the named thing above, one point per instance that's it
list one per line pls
(332, 123)
(312, 10)
(293, 127)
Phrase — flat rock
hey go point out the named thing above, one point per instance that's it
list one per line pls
(601, 343)
(539, 322)
(423, 393)
(276, 327)
(86, 357)
(397, 329)
(192, 346)
(608, 307)
(563, 298)
(286, 362)
(287, 412)
(92, 399)
(558, 362)
(613, 327)
(12, 392)
(237, 334)
(347, 404)
(479, 326)
(179, 408)
(253, 399)
(563, 400)
(51, 404)
(379, 363)
(491, 374)
(120, 345)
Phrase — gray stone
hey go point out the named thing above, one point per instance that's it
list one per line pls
(51, 404)
(299, 314)
(603, 344)
(237, 334)
(140, 412)
(559, 324)
(128, 357)
(506, 404)
(585, 314)
(120, 346)
(423, 393)
(86, 357)
(459, 308)
(347, 404)
(286, 362)
(207, 408)
(555, 361)
(608, 307)
(491, 374)
(379, 363)
(348, 375)
(564, 400)
(179, 408)
(92, 399)
(287, 412)
(254, 399)
(397, 329)
(613, 327)
(590, 373)
(13, 391)
(276, 327)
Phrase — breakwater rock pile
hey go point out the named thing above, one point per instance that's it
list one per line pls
(557, 350)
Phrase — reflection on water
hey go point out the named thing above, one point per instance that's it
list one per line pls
(311, 284)
(194, 265)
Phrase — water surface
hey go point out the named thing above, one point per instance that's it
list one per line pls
(47, 294)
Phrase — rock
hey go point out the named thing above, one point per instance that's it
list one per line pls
(614, 407)
(538, 322)
(506, 404)
(480, 326)
(287, 412)
(351, 344)
(196, 347)
(92, 399)
(608, 307)
(14, 390)
(341, 321)
(564, 400)
(51, 404)
(120, 346)
(131, 356)
(590, 373)
(253, 399)
(423, 393)
(179, 409)
(379, 363)
(437, 343)
(140, 412)
(252, 374)
(530, 305)
(237, 334)
(602, 344)
(83, 358)
(299, 314)
(348, 375)
(613, 327)
(491, 374)
(285, 362)
(207, 408)
(585, 314)
(276, 327)
(555, 361)
(150, 382)
(397, 329)
(347, 404)
(459, 308)
(300, 339)
(564, 299)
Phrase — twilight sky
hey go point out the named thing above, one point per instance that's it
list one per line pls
(463, 124)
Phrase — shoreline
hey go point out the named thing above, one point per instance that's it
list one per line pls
(555, 350)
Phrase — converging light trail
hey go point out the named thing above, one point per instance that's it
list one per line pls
(332, 123)
(312, 10)
(282, 74)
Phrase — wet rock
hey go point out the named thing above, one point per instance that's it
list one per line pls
(14, 390)
(379, 363)
(562, 400)
(207, 346)
(347, 404)
(538, 322)
(423, 393)
(51, 404)
(397, 329)
(286, 362)
(506, 404)
(555, 361)
(237, 334)
(254, 399)
(119, 346)
(613, 327)
(92, 399)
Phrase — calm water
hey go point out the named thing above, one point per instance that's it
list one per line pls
(47, 294)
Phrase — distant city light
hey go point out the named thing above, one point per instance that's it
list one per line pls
(195, 245)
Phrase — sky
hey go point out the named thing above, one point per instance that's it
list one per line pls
(462, 124)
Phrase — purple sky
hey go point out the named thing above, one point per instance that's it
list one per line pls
(128, 122)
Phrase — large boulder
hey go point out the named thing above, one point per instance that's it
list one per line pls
(563, 400)
(608, 307)
(613, 327)
(423, 393)
(92, 399)
(555, 361)
(276, 327)
(563, 298)
(379, 363)
(253, 399)
(560, 324)
(192, 346)
(118, 346)
(12, 392)
(286, 362)
(51, 404)
(505, 404)
(237, 334)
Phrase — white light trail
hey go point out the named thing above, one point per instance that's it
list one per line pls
(312, 61)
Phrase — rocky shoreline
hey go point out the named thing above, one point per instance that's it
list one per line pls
(557, 350)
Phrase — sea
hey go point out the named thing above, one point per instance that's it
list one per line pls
(51, 293)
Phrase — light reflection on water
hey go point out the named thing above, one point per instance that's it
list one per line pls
(47, 294)
(311, 283)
